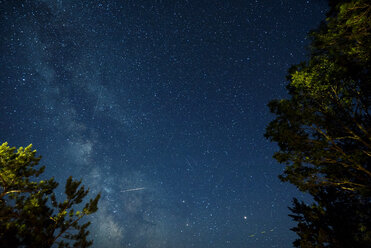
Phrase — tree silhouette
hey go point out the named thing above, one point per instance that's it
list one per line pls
(30, 214)
(324, 131)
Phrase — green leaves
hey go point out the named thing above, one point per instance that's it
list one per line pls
(30, 213)
(324, 129)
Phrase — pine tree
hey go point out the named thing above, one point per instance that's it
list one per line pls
(30, 214)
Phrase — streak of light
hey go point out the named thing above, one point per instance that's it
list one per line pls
(261, 232)
(135, 189)
(96, 105)
(189, 163)
(268, 187)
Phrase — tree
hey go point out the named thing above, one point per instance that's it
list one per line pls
(324, 131)
(30, 214)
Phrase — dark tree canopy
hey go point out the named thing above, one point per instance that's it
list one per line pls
(30, 214)
(324, 131)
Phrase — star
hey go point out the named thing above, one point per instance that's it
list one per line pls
(164, 114)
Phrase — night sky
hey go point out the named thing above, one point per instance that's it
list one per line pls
(161, 106)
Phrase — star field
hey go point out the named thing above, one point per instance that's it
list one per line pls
(161, 107)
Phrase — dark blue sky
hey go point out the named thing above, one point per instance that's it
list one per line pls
(166, 97)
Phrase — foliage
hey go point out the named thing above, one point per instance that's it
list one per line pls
(337, 219)
(30, 214)
(324, 130)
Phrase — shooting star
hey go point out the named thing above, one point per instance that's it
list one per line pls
(96, 105)
(189, 163)
(135, 189)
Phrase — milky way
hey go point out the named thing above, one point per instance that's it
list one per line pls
(161, 107)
